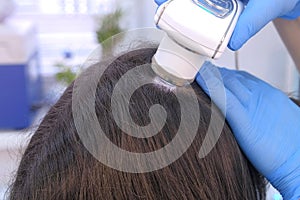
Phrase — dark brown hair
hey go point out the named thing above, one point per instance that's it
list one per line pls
(56, 165)
(296, 101)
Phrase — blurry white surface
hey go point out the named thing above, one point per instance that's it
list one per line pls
(17, 41)
(53, 46)
(227, 59)
(60, 30)
(6, 8)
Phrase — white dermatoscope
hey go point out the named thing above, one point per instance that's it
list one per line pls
(196, 30)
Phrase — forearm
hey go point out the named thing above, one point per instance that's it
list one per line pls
(289, 31)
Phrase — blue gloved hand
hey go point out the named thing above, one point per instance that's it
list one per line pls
(257, 14)
(265, 122)
(159, 2)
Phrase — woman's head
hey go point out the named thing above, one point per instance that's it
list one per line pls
(58, 165)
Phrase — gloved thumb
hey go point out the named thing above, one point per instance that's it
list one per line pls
(255, 16)
(159, 2)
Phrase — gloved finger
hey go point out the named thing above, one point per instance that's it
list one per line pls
(255, 16)
(238, 84)
(249, 81)
(207, 73)
(231, 107)
(210, 80)
(159, 2)
(236, 114)
(230, 72)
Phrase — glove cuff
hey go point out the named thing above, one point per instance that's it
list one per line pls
(286, 179)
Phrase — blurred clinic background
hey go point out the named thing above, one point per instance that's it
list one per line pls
(43, 43)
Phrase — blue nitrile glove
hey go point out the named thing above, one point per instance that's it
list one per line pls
(159, 2)
(257, 14)
(265, 122)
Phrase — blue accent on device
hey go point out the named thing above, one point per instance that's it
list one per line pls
(219, 8)
(277, 197)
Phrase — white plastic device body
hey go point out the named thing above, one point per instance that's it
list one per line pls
(196, 30)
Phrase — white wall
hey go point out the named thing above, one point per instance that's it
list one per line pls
(139, 13)
(266, 57)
